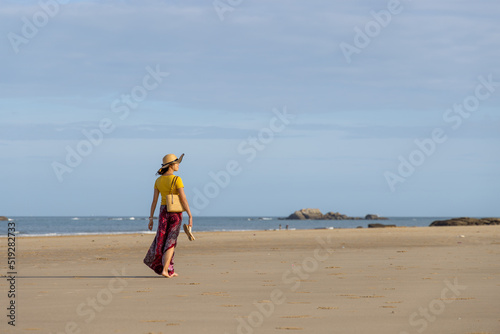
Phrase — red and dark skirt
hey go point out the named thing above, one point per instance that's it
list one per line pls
(169, 225)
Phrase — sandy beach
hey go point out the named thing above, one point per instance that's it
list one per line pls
(395, 280)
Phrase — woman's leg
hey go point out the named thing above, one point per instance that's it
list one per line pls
(168, 258)
(174, 226)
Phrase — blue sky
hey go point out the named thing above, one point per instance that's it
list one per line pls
(272, 112)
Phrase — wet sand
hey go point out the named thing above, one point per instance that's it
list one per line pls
(395, 280)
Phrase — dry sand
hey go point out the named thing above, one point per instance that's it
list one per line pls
(397, 280)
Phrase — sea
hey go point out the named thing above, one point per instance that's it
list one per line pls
(59, 226)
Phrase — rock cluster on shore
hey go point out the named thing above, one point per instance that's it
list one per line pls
(466, 221)
(3, 218)
(315, 214)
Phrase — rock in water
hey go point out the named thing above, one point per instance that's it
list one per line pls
(374, 217)
(3, 218)
(315, 214)
(306, 214)
(335, 216)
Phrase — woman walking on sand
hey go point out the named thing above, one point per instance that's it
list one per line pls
(160, 256)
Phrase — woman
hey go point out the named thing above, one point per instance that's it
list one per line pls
(160, 256)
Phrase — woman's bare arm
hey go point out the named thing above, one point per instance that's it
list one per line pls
(185, 205)
(153, 208)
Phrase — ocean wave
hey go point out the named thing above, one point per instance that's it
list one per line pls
(119, 233)
(79, 234)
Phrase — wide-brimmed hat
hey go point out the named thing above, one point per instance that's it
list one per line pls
(170, 159)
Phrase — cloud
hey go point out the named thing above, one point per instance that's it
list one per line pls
(78, 131)
(226, 76)
(264, 54)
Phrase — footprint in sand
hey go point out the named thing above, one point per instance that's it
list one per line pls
(216, 293)
(290, 328)
(295, 316)
(167, 324)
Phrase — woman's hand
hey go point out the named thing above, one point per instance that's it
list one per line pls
(150, 225)
(190, 222)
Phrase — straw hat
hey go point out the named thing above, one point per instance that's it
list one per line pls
(170, 159)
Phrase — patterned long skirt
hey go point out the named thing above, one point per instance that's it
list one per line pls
(169, 225)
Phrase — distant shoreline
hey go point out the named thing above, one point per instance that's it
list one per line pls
(112, 234)
(109, 225)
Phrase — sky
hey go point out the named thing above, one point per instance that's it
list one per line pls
(358, 107)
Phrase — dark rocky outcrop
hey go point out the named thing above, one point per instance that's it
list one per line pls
(3, 218)
(375, 217)
(466, 221)
(336, 216)
(315, 214)
(379, 226)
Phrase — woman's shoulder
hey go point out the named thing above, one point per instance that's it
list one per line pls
(167, 177)
(162, 178)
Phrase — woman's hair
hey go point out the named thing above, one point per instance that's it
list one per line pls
(163, 170)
